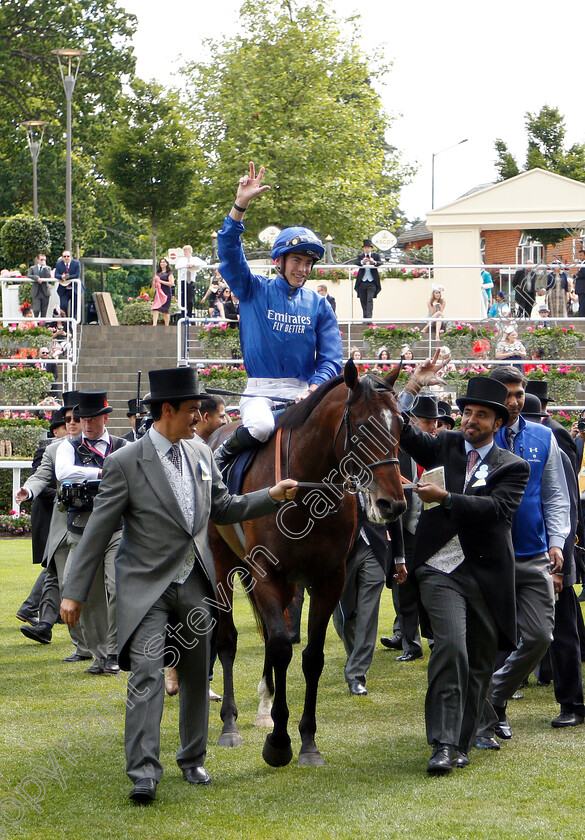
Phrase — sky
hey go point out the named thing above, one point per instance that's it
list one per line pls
(461, 71)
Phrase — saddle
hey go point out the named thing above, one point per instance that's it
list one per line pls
(235, 470)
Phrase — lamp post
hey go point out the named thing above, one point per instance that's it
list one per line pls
(34, 135)
(66, 59)
(214, 246)
(433, 168)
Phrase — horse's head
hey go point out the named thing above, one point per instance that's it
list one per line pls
(373, 424)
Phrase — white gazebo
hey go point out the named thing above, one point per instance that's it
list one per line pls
(532, 200)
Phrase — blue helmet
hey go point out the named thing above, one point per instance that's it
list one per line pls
(298, 239)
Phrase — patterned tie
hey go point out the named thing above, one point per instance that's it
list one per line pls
(510, 438)
(472, 459)
(175, 457)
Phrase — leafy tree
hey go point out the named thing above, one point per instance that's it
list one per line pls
(545, 150)
(149, 155)
(295, 93)
(31, 88)
(22, 238)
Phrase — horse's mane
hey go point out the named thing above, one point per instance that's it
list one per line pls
(295, 415)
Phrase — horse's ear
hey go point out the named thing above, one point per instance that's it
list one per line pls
(393, 375)
(350, 374)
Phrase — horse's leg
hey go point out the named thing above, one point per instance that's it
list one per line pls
(277, 749)
(322, 605)
(265, 693)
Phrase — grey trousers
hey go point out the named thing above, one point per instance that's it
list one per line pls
(356, 616)
(180, 625)
(30, 606)
(98, 616)
(462, 660)
(535, 608)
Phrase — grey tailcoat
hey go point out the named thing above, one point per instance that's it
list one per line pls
(155, 536)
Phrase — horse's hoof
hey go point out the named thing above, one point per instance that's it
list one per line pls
(263, 721)
(276, 756)
(230, 739)
(311, 759)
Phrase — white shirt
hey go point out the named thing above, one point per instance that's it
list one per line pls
(67, 470)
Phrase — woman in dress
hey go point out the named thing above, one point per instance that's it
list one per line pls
(510, 347)
(436, 307)
(163, 283)
(558, 291)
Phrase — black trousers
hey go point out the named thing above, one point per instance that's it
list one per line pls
(565, 654)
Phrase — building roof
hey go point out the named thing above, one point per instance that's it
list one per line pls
(415, 234)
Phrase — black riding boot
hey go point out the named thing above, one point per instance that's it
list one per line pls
(241, 439)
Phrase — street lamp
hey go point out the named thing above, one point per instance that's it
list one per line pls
(34, 135)
(433, 168)
(66, 58)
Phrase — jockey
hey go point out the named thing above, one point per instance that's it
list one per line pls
(290, 338)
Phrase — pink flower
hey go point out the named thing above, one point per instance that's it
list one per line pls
(320, 271)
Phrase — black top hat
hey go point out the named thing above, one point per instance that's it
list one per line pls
(70, 399)
(426, 407)
(532, 407)
(135, 407)
(481, 390)
(92, 404)
(368, 243)
(445, 410)
(538, 387)
(173, 384)
(57, 419)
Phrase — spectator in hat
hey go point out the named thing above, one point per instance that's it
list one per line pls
(367, 284)
(436, 305)
(557, 288)
(510, 347)
(165, 487)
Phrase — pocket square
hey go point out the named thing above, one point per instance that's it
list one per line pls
(481, 482)
(205, 474)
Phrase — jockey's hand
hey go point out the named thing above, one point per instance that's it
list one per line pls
(284, 491)
(427, 371)
(306, 393)
(250, 186)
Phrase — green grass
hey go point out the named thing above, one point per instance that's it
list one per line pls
(374, 783)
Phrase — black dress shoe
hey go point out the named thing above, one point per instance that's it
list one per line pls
(27, 618)
(144, 791)
(358, 689)
(111, 666)
(567, 719)
(95, 670)
(76, 657)
(197, 775)
(40, 632)
(461, 759)
(409, 657)
(393, 642)
(502, 728)
(483, 742)
(441, 761)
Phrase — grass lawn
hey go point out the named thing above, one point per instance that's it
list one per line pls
(374, 784)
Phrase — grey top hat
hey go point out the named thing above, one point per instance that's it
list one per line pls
(173, 384)
(426, 407)
(481, 390)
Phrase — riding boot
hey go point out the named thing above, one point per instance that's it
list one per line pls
(241, 439)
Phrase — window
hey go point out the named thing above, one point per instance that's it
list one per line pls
(529, 249)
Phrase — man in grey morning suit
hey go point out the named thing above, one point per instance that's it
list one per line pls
(463, 563)
(167, 487)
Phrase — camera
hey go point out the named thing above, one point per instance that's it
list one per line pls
(78, 497)
(581, 425)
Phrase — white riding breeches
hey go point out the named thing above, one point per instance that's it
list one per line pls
(257, 415)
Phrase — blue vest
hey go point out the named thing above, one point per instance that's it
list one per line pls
(532, 443)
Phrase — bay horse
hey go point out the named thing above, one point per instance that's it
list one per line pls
(343, 435)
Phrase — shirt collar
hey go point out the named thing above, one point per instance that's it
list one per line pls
(160, 442)
(482, 451)
(105, 437)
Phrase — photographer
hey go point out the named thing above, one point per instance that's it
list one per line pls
(78, 461)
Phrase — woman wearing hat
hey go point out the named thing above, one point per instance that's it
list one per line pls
(437, 305)
(510, 347)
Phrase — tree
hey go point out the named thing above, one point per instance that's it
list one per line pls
(22, 238)
(545, 150)
(31, 88)
(149, 155)
(294, 93)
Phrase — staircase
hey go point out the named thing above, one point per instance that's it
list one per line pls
(110, 358)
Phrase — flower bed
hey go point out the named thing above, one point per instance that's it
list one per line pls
(15, 525)
(564, 382)
(24, 385)
(460, 336)
(24, 435)
(14, 339)
(558, 342)
(220, 341)
(457, 379)
(391, 337)
(225, 377)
